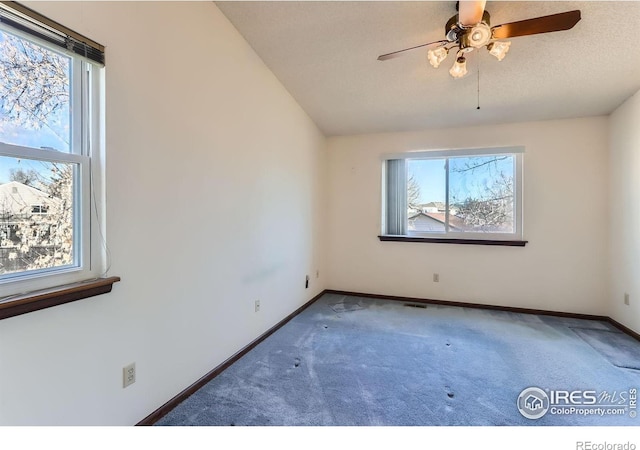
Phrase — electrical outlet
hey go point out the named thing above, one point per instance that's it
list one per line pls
(436, 278)
(306, 282)
(128, 375)
(626, 299)
(257, 305)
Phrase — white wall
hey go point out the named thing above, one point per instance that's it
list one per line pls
(562, 268)
(215, 181)
(624, 211)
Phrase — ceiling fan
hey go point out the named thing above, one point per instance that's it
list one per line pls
(470, 29)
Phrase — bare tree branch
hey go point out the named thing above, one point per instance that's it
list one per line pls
(470, 167)
(492, 210)
(34, 84)
(413, 193)
(34, 91)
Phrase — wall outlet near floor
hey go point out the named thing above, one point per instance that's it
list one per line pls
(128, 375)
(257, 305)
(436, 278)
(626, 299)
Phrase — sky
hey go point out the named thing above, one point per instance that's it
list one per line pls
(53, 134)
(7, 163)
(430, 175)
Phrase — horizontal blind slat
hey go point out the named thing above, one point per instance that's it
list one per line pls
(51, 32)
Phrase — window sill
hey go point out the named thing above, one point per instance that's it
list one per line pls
(453, 241)
(46, 298)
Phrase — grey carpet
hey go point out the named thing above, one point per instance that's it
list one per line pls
(618, 348)
(350, 361)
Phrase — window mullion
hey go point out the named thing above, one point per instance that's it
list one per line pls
(405, 199)
(76, 88)
(517, 194)
(446, 196)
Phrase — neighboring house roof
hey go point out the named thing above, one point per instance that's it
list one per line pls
(454, 221)
(18, 198)
(437, 205)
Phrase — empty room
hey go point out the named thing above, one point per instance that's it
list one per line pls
(345, 214)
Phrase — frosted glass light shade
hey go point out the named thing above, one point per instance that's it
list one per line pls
(499, 49)
(436, 56)
(459, 68)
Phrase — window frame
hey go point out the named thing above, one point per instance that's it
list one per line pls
(448, 236)
(39, 209)
(86, 148)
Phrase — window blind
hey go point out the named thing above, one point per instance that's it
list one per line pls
(24, 19)
(396, 182)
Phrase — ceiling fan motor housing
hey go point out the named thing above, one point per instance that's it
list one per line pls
(474, 36)
(451, 29)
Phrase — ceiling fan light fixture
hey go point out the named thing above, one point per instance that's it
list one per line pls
(459, 68)
(499, 49)
(470, 29)
(477, 36)
(436, 56)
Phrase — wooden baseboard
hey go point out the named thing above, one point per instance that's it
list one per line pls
(539, 312)
(175, 401)
(624, 329)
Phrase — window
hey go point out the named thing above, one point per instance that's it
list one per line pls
(39, 209)
(50, 115)
(455, 196)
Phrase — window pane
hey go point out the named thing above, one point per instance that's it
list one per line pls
(481, 194)
(34, 95)
(426, 192)
(36, 215)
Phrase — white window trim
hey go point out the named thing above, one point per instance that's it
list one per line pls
(516, 151)
(87, 151)
(82, 225)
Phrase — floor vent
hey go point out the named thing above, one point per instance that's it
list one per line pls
(416, 305)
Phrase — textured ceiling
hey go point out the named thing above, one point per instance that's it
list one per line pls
(325, 54)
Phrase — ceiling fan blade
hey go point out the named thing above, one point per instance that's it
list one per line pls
(545, 24)
(470, 12)
(401, 52)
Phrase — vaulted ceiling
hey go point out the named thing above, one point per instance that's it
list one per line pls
(325, 54)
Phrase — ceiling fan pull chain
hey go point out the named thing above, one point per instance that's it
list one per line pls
(478, 60)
